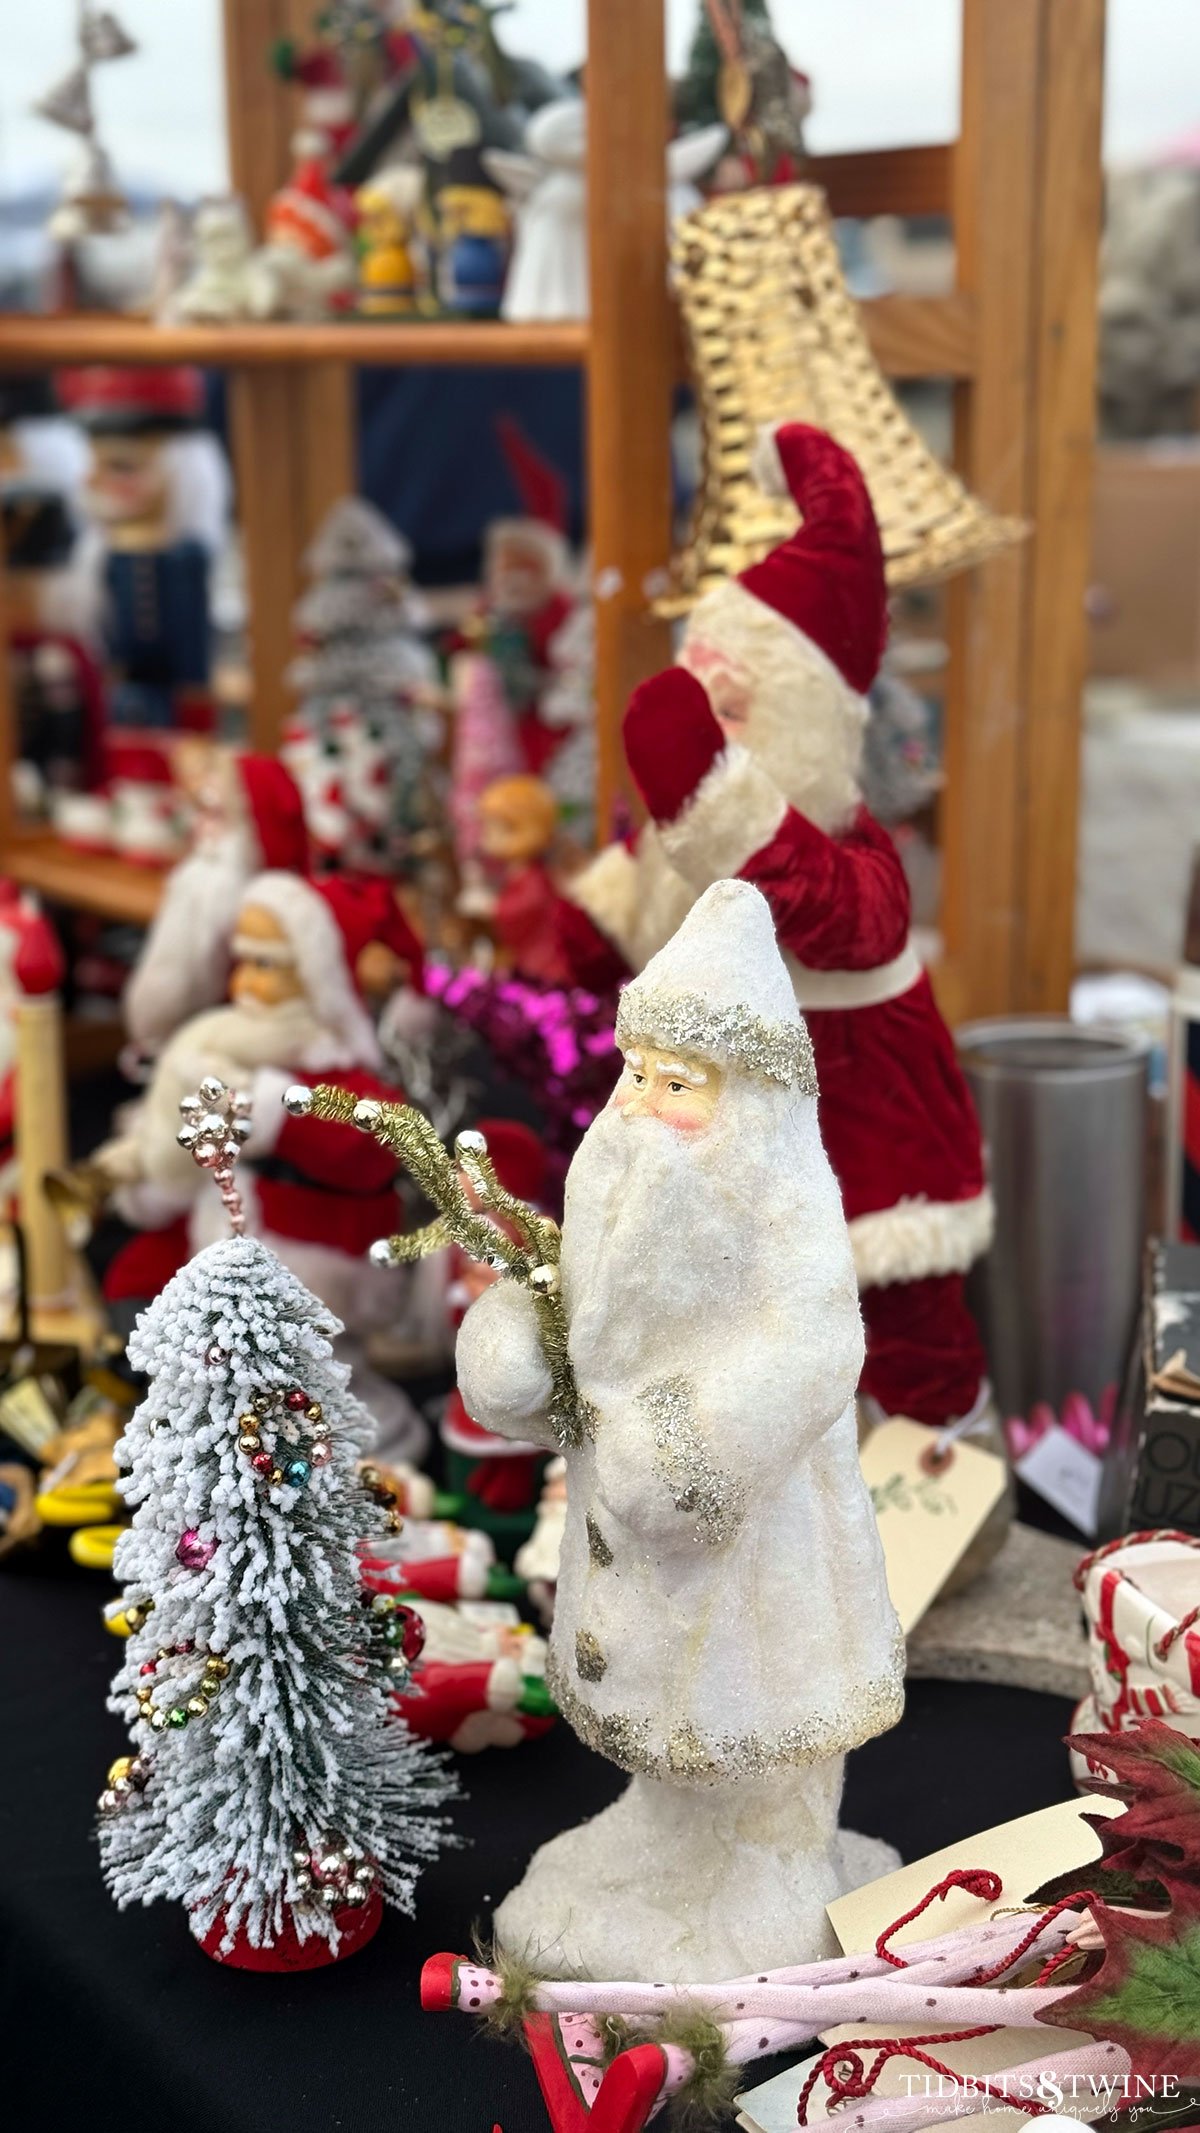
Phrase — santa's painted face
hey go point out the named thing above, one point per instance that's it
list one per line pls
(518, 581)
(264, 967)
(726, 684)
(674, 1087)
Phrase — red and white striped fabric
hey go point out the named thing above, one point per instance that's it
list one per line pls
(1141, 1596)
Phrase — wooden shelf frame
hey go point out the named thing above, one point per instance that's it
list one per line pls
(104, 339)
(1021, 189)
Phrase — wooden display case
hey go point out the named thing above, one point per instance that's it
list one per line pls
(1021, 186)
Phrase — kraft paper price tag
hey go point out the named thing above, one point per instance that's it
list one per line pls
(929, 1509)
(1024, 1853)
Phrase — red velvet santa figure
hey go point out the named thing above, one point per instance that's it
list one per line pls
(249, 817)
(319, 1194)
(527, 596)
(747, 756)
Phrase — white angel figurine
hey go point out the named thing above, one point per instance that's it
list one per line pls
(547, 183)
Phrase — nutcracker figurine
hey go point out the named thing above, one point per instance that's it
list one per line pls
(158, 489)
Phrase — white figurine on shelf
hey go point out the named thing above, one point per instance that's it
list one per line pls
(217, 291)
(722, 1630)
(548, 273)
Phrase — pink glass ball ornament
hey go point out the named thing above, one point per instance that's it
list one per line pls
(193, 1552)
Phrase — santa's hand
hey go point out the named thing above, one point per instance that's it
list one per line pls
(672, 740)
(120, 1161)
(503, 1375)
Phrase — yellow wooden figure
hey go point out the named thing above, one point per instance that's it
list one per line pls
(387, 274)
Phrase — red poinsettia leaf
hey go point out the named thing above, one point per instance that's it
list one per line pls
(1146, 1993)
(1158, 1770)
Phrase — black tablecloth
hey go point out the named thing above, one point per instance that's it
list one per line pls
(116, 2020)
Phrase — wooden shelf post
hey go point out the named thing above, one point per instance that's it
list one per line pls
(1026, 201)
(632, 363)
(1065, 273)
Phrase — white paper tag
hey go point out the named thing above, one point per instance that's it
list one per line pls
(1066, 1475)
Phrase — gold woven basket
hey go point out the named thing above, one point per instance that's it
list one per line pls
(775, 336)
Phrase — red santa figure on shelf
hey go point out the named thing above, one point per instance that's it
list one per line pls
(302, 952)
(747, 756)
(527, 594)
(305, 268)
(248, 817)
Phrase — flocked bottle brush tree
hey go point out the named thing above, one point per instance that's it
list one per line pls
(271, 1789)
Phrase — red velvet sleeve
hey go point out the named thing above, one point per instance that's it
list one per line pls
(587, 953)
(839, 903)
(340, 1156)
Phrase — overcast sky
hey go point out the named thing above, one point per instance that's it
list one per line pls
(885, 72)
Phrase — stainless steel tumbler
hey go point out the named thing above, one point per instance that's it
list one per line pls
(1063, 1111)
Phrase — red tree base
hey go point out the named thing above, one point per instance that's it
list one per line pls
(356, 1925)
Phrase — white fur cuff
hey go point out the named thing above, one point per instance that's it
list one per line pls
(735, 810)
(607, 891)
(918, 1238)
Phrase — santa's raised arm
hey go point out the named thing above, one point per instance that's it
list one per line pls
(747, 755)
(722, 1616)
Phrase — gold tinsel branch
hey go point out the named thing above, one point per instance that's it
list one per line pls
(531, 1258)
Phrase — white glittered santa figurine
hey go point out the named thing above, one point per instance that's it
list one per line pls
(747, 755)
(320, 1195)
(722, 1629)
(249, 817)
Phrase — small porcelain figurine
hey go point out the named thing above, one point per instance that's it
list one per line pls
(305, 268)
(473, 228)
(518, 824)
(217, 290)
(548, 275)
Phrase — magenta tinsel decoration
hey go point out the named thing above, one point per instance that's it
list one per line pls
(558, 1042)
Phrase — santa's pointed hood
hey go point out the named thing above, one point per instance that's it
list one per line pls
(720, 989)
(797, 639)
(827, 579)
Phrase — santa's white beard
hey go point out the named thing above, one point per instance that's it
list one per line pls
(184, 965)
(673, 1240)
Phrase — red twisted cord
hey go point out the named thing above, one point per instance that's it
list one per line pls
(977, 1880)
(1187, 1621)
(1065, 1903)
(1055, 1962)
(1130, 1540)
(854, 2083)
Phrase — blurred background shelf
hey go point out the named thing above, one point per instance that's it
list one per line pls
(84, 881)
